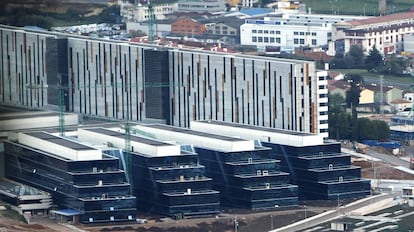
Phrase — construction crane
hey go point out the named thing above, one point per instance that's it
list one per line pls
(151, 19)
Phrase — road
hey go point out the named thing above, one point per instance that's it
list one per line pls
(386, 82)
(390, 159)
(329, 215)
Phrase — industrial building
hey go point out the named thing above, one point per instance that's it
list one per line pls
(242, 170)
(166, 179)
(85, 184)
(142, 82)
(25, 199)
(319, 168)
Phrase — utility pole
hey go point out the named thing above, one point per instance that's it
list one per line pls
(382, 95)
(151, 20)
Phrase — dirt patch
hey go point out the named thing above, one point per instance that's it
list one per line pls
(382, 171)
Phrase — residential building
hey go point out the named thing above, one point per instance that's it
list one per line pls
(386, 32)
(319, 168)
(367, 96)
(242, 170)
(385, 95)
(399, 105)
(79, 178)
(409, 96)
(338, 87)
(166, 180)
(140, 82)
(408, 43)
(290, 31)
(140, 13)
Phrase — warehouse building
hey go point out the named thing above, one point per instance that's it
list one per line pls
(319, 168)
(85, 184)
(166, 179)
(141, 82)
(242, 170)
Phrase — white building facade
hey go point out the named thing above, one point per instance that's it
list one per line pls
(387, 32)
(290, 31)
(139, 13)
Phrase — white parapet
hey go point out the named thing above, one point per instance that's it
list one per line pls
(64, 150)
(211, 141)
(277, 136)
(138, 144)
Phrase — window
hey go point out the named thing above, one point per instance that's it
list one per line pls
(302, 41)
(260, 39)
(254, 39)
(313, 33)
(277, 32)
(260, 31)
(296, 33)
(302, 33)
(272, 32)
(272, 40)
(266, 31)
(295, 41)
(254, 31)
(277, 40)
(313, 41)
(266, 39)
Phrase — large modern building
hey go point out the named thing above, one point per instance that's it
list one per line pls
(166, 179)
(319, 168)
(290, 31)
(139, 82)
(242, 170)
(84, 182)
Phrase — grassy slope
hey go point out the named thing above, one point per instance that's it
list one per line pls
(355, 7)
(364, 73)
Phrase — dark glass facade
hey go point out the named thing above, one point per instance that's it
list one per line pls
(96, 188)
(249, 179)
(322, 172)
(173, 185)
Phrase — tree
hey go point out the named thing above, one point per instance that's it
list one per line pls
(352, 100)
(374, 59)
(372, 129)
(336, 109)
(394, 64)
(355, 57)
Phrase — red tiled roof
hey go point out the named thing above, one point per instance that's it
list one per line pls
(399, 101)
(338, 84)
(382, 19)
(377, 88)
